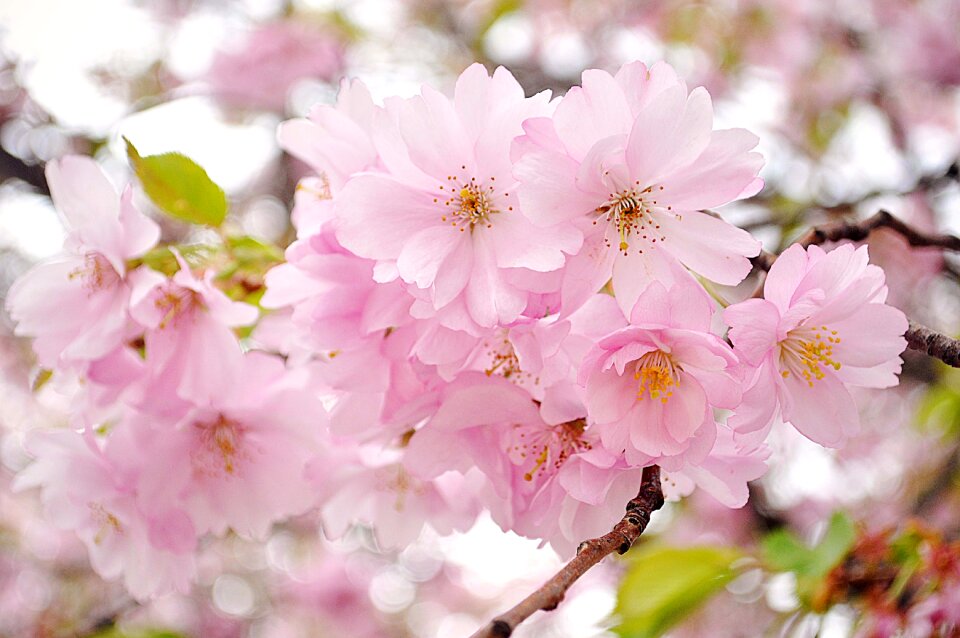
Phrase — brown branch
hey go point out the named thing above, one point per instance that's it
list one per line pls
(859, 231)
(623, 535)
(938, 346)
(763, 261)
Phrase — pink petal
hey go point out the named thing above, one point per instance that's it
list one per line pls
(753, 328)
(709, 246)
(824, 413)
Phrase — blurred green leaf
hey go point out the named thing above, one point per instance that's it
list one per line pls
(940, 409)
(837, 541)
(248, 261)
(500, 9)
(179, 186)
(115, 632)
(782, 551)
(664, 584)
(163, 260)
(250, 251)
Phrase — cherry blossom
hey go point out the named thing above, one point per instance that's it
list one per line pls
(651, 384)
(443, 214)
(93, 491)
(631, 160)
(91, 280)
(821, 327)
(191, 351)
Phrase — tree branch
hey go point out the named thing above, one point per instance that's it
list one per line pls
(938, 346)
(623, 535)
(883, 219)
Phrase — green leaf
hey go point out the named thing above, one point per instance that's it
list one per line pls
(252, 251)
(115, 632)
(179, 187)
(665, 584)
(837, 541)
(163, 260)
(939, 411)
(782, 551)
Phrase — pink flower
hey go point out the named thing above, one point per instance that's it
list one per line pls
(724, 474)
(335, 141)
(373, 487)
(821, 327)
(94, 493)
(240, 461)
(443, 215)
(487, 422)
(652, 384)
(336, 303)
(630, 160)
(274, 57)
(191, 351)
(75, 306)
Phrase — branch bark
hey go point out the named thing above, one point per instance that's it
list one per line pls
(935, 344)
(623, 535)
(858, 231)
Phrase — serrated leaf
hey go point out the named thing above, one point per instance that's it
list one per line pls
(665, 584)
(179, 186)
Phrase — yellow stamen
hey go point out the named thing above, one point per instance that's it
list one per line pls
(807, 354)
(657, 375)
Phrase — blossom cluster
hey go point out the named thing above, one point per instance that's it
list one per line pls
(494, 303)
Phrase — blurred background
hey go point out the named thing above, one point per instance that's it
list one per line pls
(856, 105)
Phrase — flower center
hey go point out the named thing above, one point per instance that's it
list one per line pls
(395, 479)
(220, 440)
(469, 203)
(544, 450)
(630, 211)
(107, 521)
(807, 351)
(96, 273)
(657, 375)
(504, 361)
(175, 302)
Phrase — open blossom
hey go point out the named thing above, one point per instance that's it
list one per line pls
(239, 462)
(630, 160)
(93, 491)
(443, 215)
(373, 486)
(75, 306)
(191, 351)
(821, 327)
(653, 383)
(490, 423)
(335, 141)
